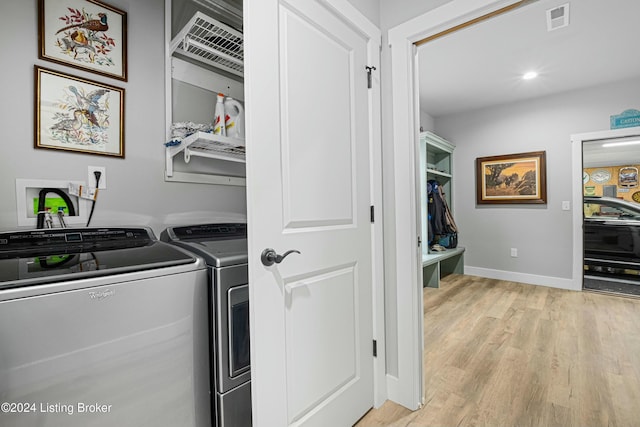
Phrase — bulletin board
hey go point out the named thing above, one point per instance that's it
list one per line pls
(613, 181)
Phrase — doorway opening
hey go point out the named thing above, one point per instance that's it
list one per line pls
(611, 215)
(557, 221)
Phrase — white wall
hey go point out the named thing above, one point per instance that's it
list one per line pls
(137, 193)
(542, 234)
(426, 122)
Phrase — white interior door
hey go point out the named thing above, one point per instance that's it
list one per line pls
(308, 189)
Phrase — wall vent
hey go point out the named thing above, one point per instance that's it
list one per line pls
(558, 17)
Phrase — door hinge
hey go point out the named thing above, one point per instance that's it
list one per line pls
(419, 241)
(369, 69)
(375, 348)
(372, 214)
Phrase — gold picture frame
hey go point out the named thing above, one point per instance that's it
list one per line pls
(512, 179)
(79, 115)
(85, 34)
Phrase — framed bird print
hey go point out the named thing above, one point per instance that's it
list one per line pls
(86, 34)
(80, 115)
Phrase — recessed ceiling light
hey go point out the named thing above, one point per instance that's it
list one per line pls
(530, 75)
(620, 144)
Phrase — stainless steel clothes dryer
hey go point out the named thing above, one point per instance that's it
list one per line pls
(224, 248)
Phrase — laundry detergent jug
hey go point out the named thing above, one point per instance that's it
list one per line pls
(234, 121)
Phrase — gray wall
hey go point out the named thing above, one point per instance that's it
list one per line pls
(542, 234)
(136, 193)
(369, 8)
(426, 122)
(393, 13)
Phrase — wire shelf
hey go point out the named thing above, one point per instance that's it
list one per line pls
(204, 144)
(215, 150)
(212, 42)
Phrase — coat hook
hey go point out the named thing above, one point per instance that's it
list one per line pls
(369, 69)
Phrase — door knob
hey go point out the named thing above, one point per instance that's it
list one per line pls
(270, 257)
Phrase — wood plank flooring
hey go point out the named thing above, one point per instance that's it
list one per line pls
(501, 354)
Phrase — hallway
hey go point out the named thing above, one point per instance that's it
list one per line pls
(504, 354)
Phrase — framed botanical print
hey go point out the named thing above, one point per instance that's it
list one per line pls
(86, 34)
(75, 114)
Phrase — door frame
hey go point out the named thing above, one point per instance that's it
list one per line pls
(577, 220)
(406, 388)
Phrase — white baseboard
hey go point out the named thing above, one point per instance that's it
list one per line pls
(530, 279)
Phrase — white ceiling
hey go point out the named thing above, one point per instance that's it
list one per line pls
(595, 155)
(482, 65)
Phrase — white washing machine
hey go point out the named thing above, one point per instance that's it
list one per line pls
(102, 327)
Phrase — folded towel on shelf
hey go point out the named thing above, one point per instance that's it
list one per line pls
(181, 130)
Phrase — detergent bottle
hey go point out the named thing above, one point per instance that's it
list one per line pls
(219, 117)
(234, 123)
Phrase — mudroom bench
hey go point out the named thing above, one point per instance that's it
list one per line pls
(436, 265)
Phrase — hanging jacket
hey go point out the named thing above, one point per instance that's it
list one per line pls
(437, 210)
(451, 224)
(429, 227)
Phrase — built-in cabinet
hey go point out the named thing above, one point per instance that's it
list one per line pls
(204, 58)
(436, 163)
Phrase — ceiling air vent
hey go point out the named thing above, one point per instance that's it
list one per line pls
(558, 17)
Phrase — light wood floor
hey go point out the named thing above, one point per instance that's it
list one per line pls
(503, 354)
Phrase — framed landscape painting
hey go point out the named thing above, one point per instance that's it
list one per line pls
(512, 179)
(80, 115)
(86, 34)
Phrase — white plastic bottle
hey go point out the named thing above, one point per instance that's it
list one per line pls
(234, 123)
(219, 117)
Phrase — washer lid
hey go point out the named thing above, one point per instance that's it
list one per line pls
(48, 256)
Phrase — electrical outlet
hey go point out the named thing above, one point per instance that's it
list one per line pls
(91, 178)
(566, 205)
(514, 252)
